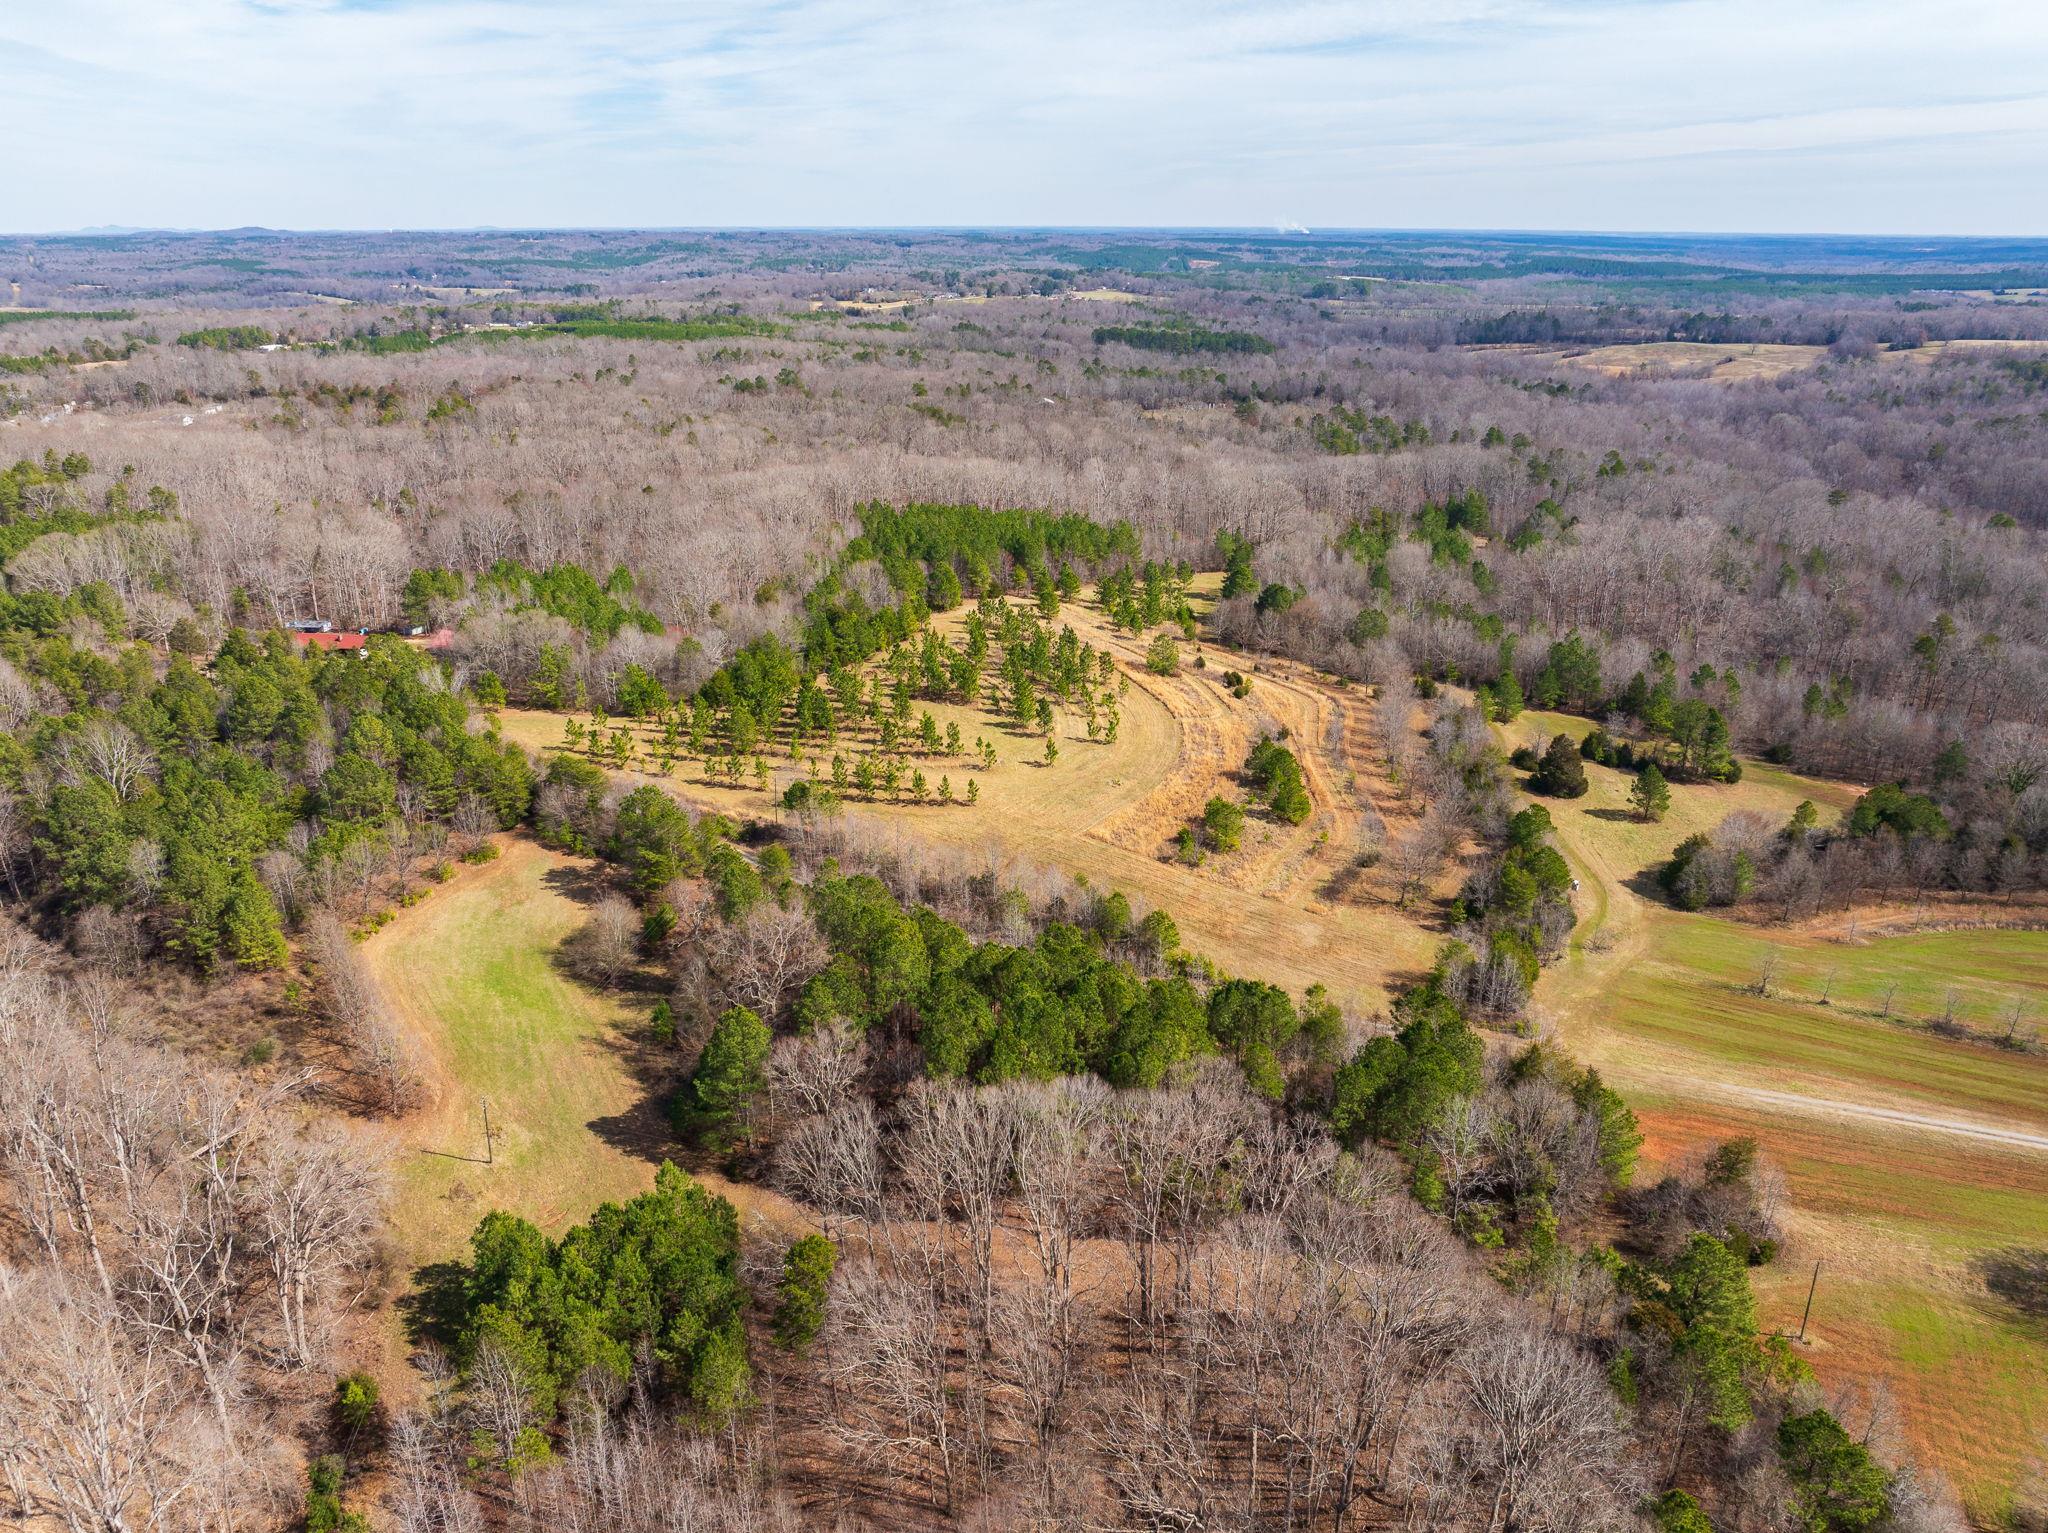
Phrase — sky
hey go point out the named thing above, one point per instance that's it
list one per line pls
(1837, 116)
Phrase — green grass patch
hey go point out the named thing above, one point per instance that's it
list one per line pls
(1693, 989)
(476, 972)
(2001, 1407)
(1903, 1217)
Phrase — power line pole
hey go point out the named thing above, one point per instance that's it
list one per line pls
(1810, 1287)
(489, 1151)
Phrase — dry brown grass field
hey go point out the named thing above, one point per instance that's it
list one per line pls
(1291, 905)
(1729, 364)
(1743, 362)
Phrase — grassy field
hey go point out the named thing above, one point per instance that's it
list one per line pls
(472, 972)
(1744, 362)
(576, 1087)
(1603, 826)
(1884, 1128)
(1729, 364)
(1288, 906)
(1901, 1216)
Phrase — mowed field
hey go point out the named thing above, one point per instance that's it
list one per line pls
(576, 1087)
(1291, 905)
(471, 971)
(1728, 364)
(1913, 1160)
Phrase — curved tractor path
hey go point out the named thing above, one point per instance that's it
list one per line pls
(1928, 1122)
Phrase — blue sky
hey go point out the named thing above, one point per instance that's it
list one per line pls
(1864, 116)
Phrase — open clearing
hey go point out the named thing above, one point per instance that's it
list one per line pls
(575, 1086)
(1738, 363)
(472, 975)
(2005, 295)
(859, 306)
(1291, 905)
(1728, 364)
(1912, 1159)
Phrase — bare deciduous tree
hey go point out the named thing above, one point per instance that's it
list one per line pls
(1540, 1448)
(355, 1001)
(318, 1198)
(93, 1430)
(609, 942)
(766, 956)
(813, 1073)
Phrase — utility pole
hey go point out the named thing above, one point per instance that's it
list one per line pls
(1815, 1283)
(490, 1156)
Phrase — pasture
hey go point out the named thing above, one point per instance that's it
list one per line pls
(1915, 1163)
(1862, 1054)
(472, 972)
(1741, 362)
(1725, 364)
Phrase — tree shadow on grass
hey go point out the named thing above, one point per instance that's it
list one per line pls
(431, 1310)
(1645, 887)
(585, 883)
(1400, 980)
(644, 1130)
(636, 979)
(1340, 885)
(2019, 1276)
(1616, 816)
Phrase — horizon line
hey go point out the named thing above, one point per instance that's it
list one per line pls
(1269, 230)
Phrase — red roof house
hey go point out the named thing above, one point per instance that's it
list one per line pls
(330, 640)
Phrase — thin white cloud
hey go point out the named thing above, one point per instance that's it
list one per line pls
(1614, 113)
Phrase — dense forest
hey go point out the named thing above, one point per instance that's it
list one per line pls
(1088, 1231)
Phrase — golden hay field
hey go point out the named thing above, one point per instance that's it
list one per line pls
(1291, 905)
(1728, 364)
